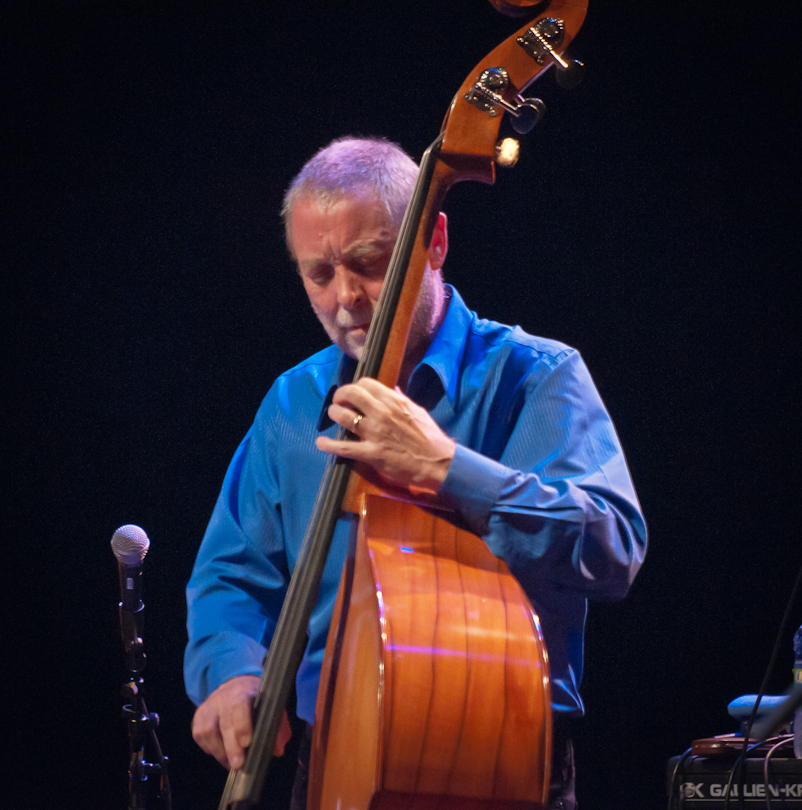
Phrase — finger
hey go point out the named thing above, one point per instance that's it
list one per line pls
(346, 417)
(206, 733)
(283, 737)
(236, 733)
(358, 451)
(242, 723)
(390, 398)
(375, 388)
(357, 397)
(393, 400)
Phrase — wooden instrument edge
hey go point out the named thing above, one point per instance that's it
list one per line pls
(396, 765)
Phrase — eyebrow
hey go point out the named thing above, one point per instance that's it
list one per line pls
(357, 251)
(360, 249)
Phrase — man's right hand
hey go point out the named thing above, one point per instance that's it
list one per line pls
(223, 724)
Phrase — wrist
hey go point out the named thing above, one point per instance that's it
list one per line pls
(436, 471)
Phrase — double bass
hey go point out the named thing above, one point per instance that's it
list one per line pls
(434, 692)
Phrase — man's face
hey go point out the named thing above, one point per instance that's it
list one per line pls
(343, 252)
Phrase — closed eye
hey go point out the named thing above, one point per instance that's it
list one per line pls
(373, 264)
(320, 274)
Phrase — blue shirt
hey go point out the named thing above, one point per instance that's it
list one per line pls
(538, 473)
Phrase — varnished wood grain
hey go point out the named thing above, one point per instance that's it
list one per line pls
(441, 656)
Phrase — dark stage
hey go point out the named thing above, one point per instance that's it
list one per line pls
(149, 302)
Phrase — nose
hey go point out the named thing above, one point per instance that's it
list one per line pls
(350, 290)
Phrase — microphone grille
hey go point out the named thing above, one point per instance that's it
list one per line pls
(130, 544)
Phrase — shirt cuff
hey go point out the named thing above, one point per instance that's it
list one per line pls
(229, 656)
(472, 487)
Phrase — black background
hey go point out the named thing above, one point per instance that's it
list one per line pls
(149, 302)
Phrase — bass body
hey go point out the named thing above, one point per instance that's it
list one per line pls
(435, 686)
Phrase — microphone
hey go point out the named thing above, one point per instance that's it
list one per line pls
(130, 544)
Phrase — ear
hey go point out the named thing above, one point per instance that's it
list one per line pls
(439, 245)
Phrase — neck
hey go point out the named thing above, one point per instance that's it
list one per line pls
(432, 307)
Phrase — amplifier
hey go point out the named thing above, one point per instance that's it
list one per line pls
(701, 782)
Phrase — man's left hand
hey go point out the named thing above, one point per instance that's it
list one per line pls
(397, 438)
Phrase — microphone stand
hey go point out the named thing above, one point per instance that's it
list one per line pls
(142, 724)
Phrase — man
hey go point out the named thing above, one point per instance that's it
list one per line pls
(505, 429)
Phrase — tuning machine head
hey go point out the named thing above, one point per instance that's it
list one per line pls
(487, 94)
(541, 42)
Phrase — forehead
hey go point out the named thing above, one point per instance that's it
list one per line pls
(355, 220)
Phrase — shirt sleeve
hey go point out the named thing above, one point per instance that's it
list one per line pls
(558, 506)
(240, 577)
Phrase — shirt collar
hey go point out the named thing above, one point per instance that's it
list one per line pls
(444, 355)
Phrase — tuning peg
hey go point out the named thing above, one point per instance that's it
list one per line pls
(527, 115)
(571, 75)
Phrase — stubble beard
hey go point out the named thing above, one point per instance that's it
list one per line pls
(425, 319)
(428, 311)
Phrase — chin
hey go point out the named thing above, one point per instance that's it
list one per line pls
(354, 349)
(352, 344)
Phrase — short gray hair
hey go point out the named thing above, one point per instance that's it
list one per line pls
(348, 165)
